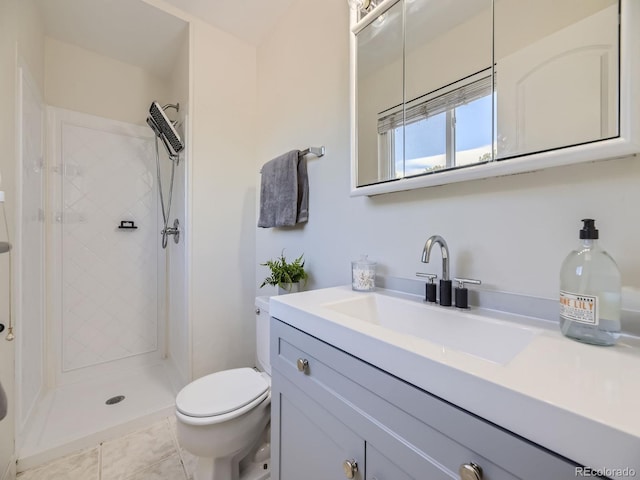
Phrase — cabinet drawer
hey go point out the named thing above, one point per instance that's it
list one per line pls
(429, 437)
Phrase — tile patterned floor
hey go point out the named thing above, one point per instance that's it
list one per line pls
(151, 453)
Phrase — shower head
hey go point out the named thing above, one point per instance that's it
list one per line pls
(164, 129)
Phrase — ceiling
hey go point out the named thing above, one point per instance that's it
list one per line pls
(137, 33)
(113, 27)
(249, 20)
(384, 40)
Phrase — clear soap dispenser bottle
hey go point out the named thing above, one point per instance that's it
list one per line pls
(590, 292)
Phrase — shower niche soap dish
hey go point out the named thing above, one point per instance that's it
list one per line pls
(127, 225)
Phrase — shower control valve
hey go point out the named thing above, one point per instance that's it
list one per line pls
(175, 231)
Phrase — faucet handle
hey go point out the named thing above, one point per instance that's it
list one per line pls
(462, 281)
(430, 276)
(461, 293)
(430, 293)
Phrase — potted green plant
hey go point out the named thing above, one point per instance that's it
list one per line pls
(287, 276)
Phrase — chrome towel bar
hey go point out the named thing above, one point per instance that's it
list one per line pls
(317, 151)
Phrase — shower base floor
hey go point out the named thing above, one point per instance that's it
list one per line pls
(75, 416)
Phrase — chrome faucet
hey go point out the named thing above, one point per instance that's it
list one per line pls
(426, 252)
(445, 283)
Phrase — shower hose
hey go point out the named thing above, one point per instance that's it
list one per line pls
(166, 230)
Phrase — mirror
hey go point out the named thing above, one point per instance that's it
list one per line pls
(557, 73)
(429, 109)
(380, 83)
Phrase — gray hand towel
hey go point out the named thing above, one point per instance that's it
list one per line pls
(303, 191)
(284, 191)
(3, 403)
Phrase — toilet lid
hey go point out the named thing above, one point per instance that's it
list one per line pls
(221, 392)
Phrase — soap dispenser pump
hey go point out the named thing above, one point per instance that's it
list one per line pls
(590, 288)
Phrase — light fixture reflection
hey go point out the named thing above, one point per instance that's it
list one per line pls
(378, 22)
(362, 6)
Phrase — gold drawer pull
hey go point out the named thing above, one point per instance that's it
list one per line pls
(303, 365)
(470, 471)
(350, 468)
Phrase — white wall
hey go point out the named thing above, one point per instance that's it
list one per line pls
(80, 80)
(303, 100)
(222, 174)
(511, 232)
(30, 37)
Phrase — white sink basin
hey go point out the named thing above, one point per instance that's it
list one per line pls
(493, 340)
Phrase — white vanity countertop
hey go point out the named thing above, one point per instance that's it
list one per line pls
(578, 400)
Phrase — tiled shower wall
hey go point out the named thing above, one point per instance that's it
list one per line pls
(109, 275)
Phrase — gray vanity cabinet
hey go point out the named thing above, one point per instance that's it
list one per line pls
(312, 440)
(331, 410)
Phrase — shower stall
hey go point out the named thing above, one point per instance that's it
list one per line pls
(109, 318)
(111, 347)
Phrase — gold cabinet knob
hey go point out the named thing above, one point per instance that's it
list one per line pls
(350, 468)
(303, 365)
(470, 471)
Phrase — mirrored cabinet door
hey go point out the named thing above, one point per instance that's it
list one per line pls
(448, 94)
(424, 96)
(557, 74)
(379, 105)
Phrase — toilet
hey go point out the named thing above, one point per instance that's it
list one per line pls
(223, 418)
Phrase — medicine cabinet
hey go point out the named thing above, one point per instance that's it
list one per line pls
(444, 92)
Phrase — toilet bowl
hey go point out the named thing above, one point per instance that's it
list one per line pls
(223, 418)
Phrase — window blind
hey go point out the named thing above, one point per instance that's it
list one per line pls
(421, 109)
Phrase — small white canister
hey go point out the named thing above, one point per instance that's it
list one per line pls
(363, 275)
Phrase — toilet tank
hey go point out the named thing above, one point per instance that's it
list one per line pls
(262, 334)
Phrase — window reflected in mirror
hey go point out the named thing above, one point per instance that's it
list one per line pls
(441, 131)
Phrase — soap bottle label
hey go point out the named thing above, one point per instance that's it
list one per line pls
(579, 308)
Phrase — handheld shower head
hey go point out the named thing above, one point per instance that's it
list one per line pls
(164, 129)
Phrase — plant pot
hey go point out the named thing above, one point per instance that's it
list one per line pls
(288, 288)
